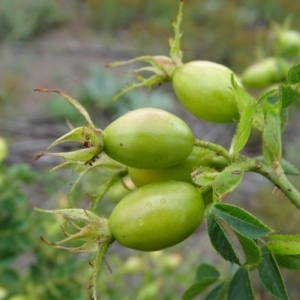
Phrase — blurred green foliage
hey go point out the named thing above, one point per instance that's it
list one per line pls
(21, 20)
(223, 31)
(30, 269)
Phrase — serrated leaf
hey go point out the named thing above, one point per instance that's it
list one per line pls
(251, 250)
(220, 240)
(286, 247)
(272, 134)
(243, 130)
(228, 179)
(206, 270)
(291, 262)
(240, 220)
(213, 294)
(288, 95)
(271, 278)
(240, 286)
(198, 287)
(293, 75)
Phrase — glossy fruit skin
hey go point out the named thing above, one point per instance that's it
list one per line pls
(148, 138)
(265, 72)
(157, 216)
(179, 172)
(204, 88)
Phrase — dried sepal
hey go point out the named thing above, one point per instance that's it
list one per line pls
(82, 155)
(72, 101)
(90, 137)
(162, 66)
(95, 234)
(77, 214)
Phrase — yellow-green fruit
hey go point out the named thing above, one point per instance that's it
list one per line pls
(204, 88)
(180, 172)
(265, 72)
(148, 138)
(288, 42)
(157, 215)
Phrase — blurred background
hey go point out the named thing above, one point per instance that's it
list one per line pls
(65, 45)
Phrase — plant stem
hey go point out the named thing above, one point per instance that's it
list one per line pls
(212, 146)
(277, 176)
(102, 248)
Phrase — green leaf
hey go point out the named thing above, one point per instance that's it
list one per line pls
(240, 286)
(284, 247)
(251, 250)
(228, 179)
(243, 129)
(288, 95)
(205, 276)
(271, 278)
(291, 262)
(293, 75)
(288, 168)
(269, 96)
(272, 134)
(198, 287)
(213, 294)
(204, 176)
(223, 292)
(240, 221)
(220, 240)
(242, 98)
(206, 270)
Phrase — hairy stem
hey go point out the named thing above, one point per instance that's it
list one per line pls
(277, 176)
(103, 247)
(214, 147)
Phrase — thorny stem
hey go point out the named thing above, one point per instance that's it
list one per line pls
(103, 247)
(214, 147)
(277, 176)
(175, 49)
